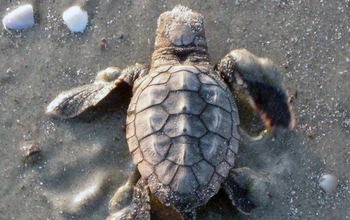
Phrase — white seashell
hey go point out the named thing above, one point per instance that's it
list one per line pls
(20, 18)
(328, 183)
(75, 19)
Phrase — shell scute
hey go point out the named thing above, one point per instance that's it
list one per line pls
(183, 80)
(184, 124)
(130, 130)
(166, 171)
(161, 79)
(234, 142)
(149, 121)
(223, 169)
(161, 69)
(216, 121)
(137, 156)
(184, 102)
(215, 183)
(205, 79)
(230, 157)
(155, 147)
(150, 96)
(184, 150)
(203, 171)
(145, 168)
(133, 143)
(179, 68)
(145, 83)
(215, 95)
(184, 181)
(213, 148)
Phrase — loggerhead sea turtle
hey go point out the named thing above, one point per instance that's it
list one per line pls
(182, 121)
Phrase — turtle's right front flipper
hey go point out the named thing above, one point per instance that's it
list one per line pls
(261, 79)
(73, 102)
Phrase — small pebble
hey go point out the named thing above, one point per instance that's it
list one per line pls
(30, 148)
(75, 19)
(103, 44)
(32, 153)
(328, 183)
(20, 18)
(346, 124)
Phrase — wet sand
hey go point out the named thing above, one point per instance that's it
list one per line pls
(82, 162)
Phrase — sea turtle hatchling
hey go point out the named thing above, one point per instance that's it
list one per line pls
(182, 121)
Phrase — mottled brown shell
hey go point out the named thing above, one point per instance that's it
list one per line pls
(182, 132)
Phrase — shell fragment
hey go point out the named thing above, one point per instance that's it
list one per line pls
(328, 183)
(75, 18)
(20, 18)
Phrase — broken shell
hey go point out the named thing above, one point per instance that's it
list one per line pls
(32, 153)
(328, 183)
(75, 19)
(20, 18)
(30, 148)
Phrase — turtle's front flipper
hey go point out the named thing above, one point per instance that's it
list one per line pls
(131, 201)
(262, 81)
(73, 102)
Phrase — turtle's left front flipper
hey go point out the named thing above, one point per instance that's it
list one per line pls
(73, 102)
(261, 79)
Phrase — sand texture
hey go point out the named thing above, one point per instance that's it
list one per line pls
(75, 166)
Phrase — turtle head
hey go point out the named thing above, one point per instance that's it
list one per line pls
(180, 27)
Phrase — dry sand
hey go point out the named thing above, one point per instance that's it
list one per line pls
(82, 162)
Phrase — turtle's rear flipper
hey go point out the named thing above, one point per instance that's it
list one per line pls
(248, 189)
(131, 201)
(238, 195)
(261, 80)
(73, 102)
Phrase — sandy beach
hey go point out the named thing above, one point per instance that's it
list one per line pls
(76, 165)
